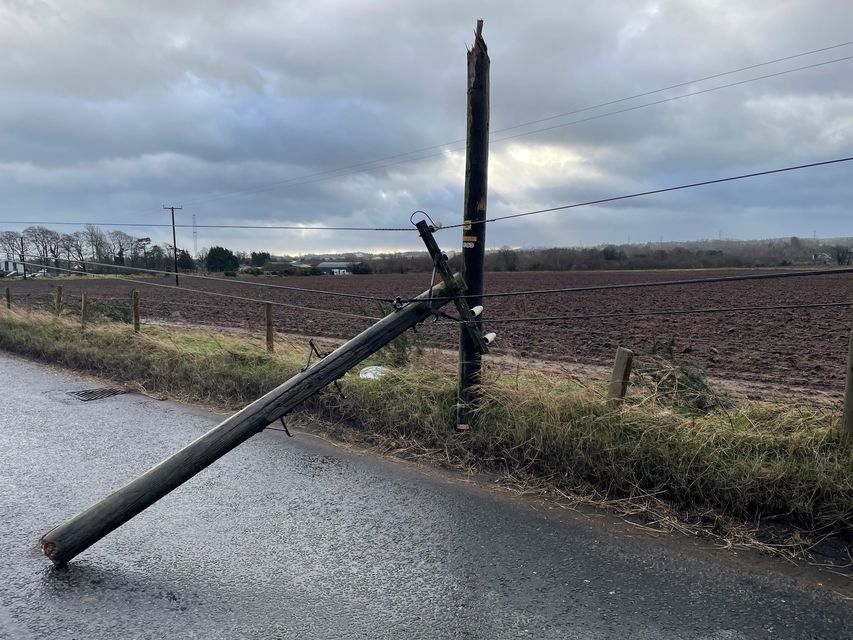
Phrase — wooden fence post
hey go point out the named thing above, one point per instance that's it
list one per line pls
(620, 376)
(8, 298)
(847, 419)
(134, 296)
(270, 345)
(57, 305)
(83, 302)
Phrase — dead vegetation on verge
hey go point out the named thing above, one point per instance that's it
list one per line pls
(672, 458)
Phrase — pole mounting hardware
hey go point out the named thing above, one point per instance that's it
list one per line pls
(465, 314)
(311, 352)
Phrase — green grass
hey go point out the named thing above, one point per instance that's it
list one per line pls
(750, 461)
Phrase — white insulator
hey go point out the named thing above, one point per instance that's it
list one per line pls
(475, 311)
(490, 337)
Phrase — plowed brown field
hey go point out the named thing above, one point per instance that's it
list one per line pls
(798, 347)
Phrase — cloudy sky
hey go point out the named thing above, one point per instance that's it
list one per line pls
(293, 112)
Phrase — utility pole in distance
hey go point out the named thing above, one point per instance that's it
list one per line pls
(174, 242)
(473, 227)
(23, 258)
(195, 238)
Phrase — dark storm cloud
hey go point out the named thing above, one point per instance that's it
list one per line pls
(109, 109)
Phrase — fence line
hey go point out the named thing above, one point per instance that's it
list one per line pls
(338, 294)
(218, 294)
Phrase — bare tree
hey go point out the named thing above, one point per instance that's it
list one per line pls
(77, 247)
(10, 243)
(43, 241)
(96, 243)
(121, 244)
(52, 239)
(66, 247)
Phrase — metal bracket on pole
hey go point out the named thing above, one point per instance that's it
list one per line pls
(466, 316)
(340, 391)
(313, 350)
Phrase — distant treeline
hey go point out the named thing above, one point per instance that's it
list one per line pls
(78, 250)
(93, 245)
(94, 250)
(706, 254)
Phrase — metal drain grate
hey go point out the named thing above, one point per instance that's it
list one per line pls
(95, 394)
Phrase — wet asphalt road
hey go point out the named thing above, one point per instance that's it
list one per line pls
(294, 538)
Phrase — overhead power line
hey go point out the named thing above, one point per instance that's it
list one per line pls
(209, 226)
(575, 205)
(672, 98)
(675, 86)
(320, 177)
(668, 312)
(400, 158)
(504, 294)
(664, 283)
(680, 187)
(307, 178)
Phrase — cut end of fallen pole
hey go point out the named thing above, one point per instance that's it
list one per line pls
(52, 551)
(48, 549)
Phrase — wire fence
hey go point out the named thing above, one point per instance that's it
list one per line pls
(398, 300)
(577, 335)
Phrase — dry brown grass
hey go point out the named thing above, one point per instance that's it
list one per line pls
(724, 471)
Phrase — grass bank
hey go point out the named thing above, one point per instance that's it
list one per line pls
(747, 461)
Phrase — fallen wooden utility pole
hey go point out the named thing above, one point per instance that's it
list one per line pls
(67, 540)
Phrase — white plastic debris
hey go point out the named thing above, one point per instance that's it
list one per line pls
(374, 372)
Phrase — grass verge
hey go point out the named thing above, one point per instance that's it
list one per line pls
(750, 462)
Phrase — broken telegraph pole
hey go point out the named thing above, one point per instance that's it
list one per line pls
(67, 540)
(473, 225)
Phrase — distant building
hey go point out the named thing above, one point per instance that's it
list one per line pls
(11, 267)
(336, 268)
(283, 266)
